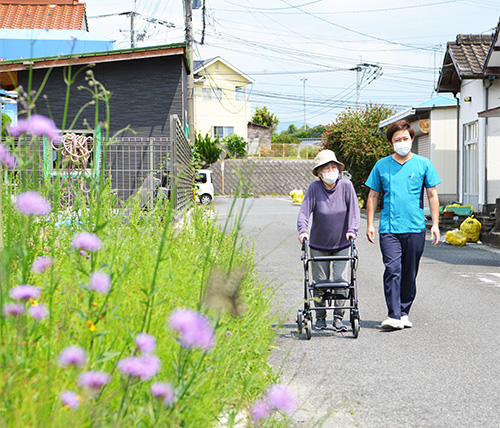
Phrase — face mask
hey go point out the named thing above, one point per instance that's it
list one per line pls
(403, 148)
(330, 177)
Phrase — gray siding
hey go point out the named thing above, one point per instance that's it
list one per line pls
(145, 92)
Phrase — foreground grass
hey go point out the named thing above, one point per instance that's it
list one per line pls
(155, 267)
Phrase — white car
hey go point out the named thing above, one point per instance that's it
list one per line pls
(204, 186)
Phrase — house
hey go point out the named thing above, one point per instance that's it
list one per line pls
(36, 28)
(43, 14)
(221, 104)
(435, 125)
(147, 86)
(471, 71)
(259, 137)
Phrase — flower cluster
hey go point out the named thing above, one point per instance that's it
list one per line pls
(38, 311)
(86, 241)
(36, 126)
(41, 264)
(7, 159)
(32, 203)
(278, 398)
(73, 356)
(144, 366)
(195, 329)
(100, 282)
(164, 391)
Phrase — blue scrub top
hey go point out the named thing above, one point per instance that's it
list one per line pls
(403, 187)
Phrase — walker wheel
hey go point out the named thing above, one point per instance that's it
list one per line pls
(355, 327)
(299, 321)
(308, 329)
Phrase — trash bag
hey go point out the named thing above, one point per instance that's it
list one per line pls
(456, 237)
(472, 228)
(297, 196)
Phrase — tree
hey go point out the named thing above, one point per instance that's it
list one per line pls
(6, 120)
(236, 145)
(263, 117)
(358, 143)
(205, 150)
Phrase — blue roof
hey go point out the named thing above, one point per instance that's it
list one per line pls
(28, 43)
(437, 101)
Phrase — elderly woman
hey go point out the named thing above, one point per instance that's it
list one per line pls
(334, 206)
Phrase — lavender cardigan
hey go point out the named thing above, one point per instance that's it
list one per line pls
(335, 212)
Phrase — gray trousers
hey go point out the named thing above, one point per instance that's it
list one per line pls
(335, 271)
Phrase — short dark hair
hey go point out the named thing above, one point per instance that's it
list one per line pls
(400, 125)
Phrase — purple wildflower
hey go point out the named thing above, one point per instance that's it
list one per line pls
(86, 241)
(32, 203)
(94, 379)
(72, 355)
(164, 391)
(7, 159)
(24, 292)
(41, 264)
(195, 329)
(144, 367)
(4, 151)
(70, 399)
(82, 253)
(281, 399)
(10, 161)
(260, 410)
(12, 309)
(100, 282)
(36, 126)
(146, 343)
(39, 311)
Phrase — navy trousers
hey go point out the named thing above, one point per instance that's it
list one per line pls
(401, 253)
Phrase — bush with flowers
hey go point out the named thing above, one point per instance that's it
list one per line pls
(123, 321)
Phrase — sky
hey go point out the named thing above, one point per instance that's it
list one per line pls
(312, 59)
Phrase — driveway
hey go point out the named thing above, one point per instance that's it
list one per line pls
(444, 372)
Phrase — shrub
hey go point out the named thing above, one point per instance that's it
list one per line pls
(236, 145)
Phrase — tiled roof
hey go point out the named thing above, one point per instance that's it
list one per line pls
(464, 58)
(59, 15)
(469, 52)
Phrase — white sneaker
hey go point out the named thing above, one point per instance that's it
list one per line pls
(406, 322)
(392, 324)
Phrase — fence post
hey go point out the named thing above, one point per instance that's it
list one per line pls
(175, 167)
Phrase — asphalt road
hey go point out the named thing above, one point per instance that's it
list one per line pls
(444, 372)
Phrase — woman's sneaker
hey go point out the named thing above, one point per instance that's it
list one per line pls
(392, 324)
(338, 325)
(320, 324)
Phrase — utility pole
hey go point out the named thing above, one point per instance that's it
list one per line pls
(304, 80)
(370, 71)
(188, 21)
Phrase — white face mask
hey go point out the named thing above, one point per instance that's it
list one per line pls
(403, 148)
(330, 177)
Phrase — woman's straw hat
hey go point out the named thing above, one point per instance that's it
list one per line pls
(324, 157)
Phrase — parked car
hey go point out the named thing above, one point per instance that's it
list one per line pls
(204, 186)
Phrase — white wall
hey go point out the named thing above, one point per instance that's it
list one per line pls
(443, 134)
(493, 146)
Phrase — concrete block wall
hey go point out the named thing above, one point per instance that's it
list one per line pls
(263, 176)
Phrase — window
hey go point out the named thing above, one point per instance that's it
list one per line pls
(239, 93)
(200, 177)
(211, 94)
(223, 131)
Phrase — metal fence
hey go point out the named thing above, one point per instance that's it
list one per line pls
(289, 150)
(147, 166)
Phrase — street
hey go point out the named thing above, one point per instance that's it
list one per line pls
(443, 372)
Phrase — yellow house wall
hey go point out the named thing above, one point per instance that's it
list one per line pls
(226, 112)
